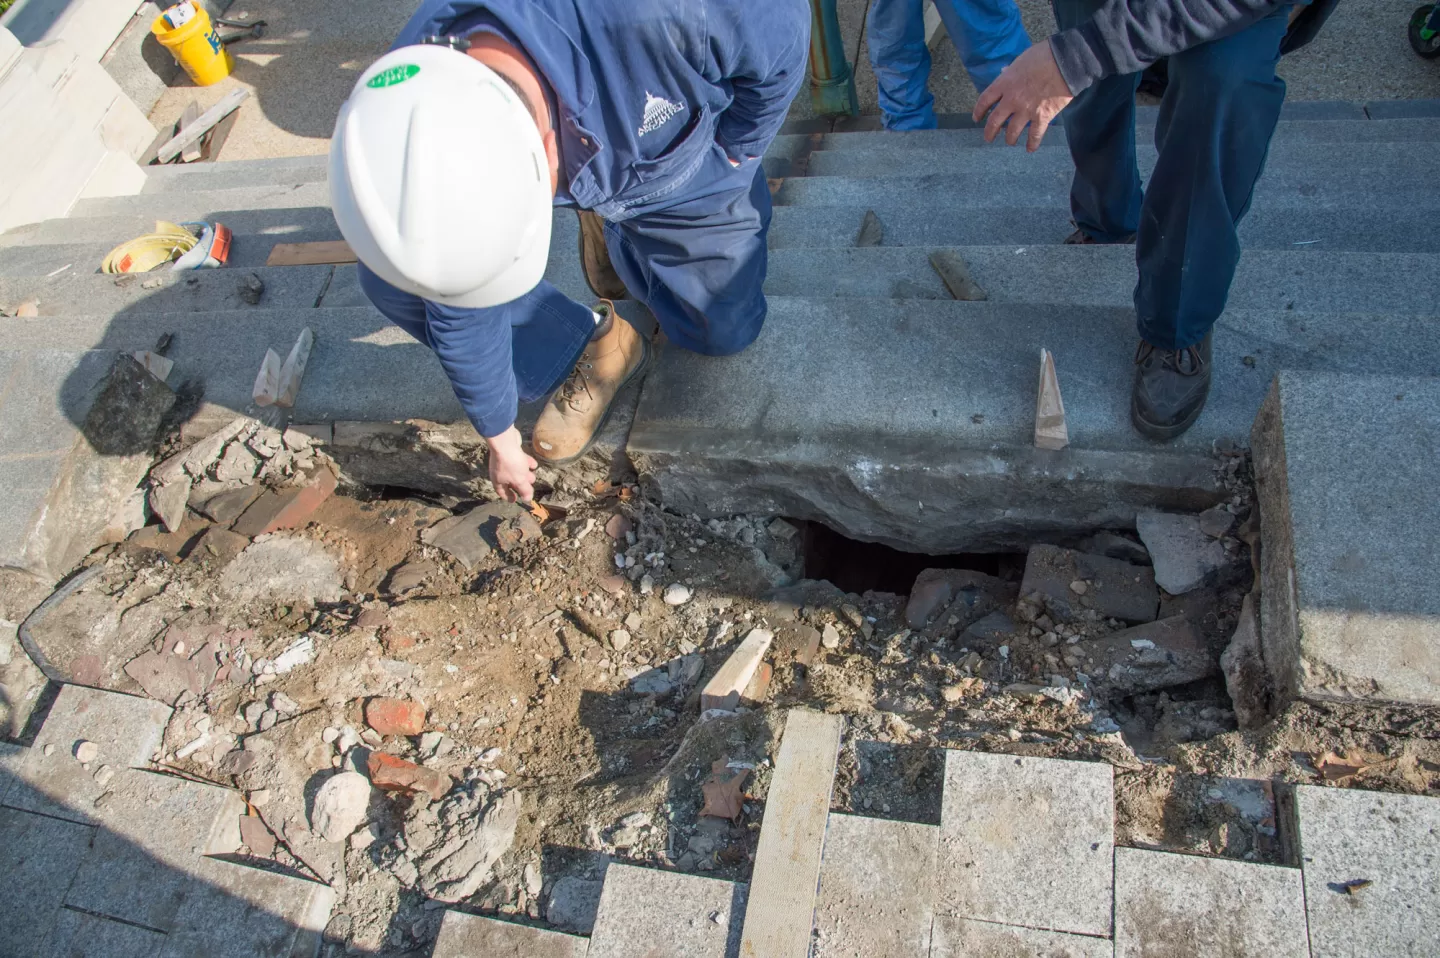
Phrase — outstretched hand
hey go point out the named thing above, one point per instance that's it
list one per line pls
(1029, 92)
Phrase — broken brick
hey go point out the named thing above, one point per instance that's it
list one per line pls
(397, 775)
(286, 508)
(256, 836)
(395, 716)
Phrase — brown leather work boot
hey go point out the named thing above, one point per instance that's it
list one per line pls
(575, 414)
(595, 258)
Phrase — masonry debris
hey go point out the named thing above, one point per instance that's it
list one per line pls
(427, 697)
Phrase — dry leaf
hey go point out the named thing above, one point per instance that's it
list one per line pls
(724, 791)
(541, 514)
(1337, 768)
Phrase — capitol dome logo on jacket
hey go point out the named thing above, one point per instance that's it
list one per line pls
(658, 112)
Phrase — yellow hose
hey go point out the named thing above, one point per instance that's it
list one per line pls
(144, 253)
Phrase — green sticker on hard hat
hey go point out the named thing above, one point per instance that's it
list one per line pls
(392, 76)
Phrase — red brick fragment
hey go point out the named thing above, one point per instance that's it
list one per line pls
(397, 775)
(286, 508)
(395, 716)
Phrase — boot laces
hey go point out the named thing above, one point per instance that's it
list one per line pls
(1186, 362)
(577, 385)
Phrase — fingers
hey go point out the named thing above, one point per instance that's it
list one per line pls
(1038, 127)
(1016, 125)
(998, 117)
(989, 98)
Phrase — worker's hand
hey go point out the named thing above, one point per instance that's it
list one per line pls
(511, 470)
(1030, 91)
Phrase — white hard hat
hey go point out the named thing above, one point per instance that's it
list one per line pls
(439, 181)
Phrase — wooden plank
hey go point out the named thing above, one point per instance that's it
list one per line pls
(161, 138)
(310, 254)
(934, 28)
(724, 690)
(230, 102)
(191, 153)
(781, 910)
(214, 141)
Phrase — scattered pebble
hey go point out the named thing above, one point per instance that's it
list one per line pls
(619, 640)
(330, 735)
(490, 756)
(1079, 587)
(830, 637)
(677, 594)
(260, 797)
(647, 584)
(86, 752)
(49, 750)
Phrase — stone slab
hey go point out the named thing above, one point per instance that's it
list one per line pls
(1391, 841)
(1420, 109)
(694, 917)
(243, 174)
(1185, 906)
(240, 912)
(475, 936)
(1027, 841)
(1349, 608)
(184, 207)
(962, 938)
(85, 293)
(11, 759)
(792, 838)
(876, 889)
(156, 830)
(38, 857)
(78, 935)
(1113, 587)
(127, 730)
(947, 463)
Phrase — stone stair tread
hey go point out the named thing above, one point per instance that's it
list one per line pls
(256, 230)
(701, 917)
(1193, 907)
(876, 894)
(1043, 825)
(475, 936)
(11, 758)
(205, 290)
(198, 176)
(1390, 841)
(156, 831)
(236, 911)
(964, 938)
(204, 205)
(76, 934)
(39, 856)
(127, 730)
(1349, 604)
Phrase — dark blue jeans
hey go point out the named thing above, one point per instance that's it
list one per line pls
(1213, 134)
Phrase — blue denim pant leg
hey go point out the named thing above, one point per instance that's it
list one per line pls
(1213, 135)
(895, 38)
(988, 35)
(547, 333)
(699, 263)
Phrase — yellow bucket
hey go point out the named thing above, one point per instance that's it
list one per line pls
(194, 44)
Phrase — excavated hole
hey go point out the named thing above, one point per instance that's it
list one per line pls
(860, 567)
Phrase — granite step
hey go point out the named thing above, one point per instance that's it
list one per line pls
(475, 936)
(694, 917)
(238, 174)
(927, 444)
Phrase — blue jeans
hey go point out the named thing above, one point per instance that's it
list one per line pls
(698, 264)
(1213, 134)
(987, 33)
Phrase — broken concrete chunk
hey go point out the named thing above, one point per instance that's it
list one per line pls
(1155, 655)
(267, 380)
(340, 806)
(872, 231)
(1248, 681)
(126, 415)
(252, 287)
(453, 874)
(168, 501)
(484, 529)
(225, 507)
(284, 569)
(1117, 589)
(1185, 557)
(1050, 429)
(955, 274)
(1216, 522)
(236, 464)
(1116, 546)
(965, 594)
(293, 371)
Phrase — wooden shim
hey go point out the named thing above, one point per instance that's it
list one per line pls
(783, 884)
(1050, 431)
(192, 133)
(724, 690)
(191, 153)
(214, 141)
(310, 254)
(934, 27)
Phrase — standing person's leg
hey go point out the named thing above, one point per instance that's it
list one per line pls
(699, 264)
(895, 37)
(1100, 129)
(988, 35)
(1213, 134)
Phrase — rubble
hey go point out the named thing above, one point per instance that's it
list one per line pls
(395, 716)
(392, 774)
(1184, 555)
(959, 593)
(1115, 589)
(288, 508)
(472, 537)
(284, 569)
(340, 806)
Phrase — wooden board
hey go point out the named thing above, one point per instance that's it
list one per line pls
(192, 133)
(781, 911)
(191, 113)
(310, 254)
(724, 690)
(214, 141)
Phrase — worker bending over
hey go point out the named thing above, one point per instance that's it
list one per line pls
(1216, 120)
(648, 116)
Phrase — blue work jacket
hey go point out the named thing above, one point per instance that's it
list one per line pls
(645, 86)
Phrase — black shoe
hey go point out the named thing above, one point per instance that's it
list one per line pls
(1082, 238)
(1171, 386)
